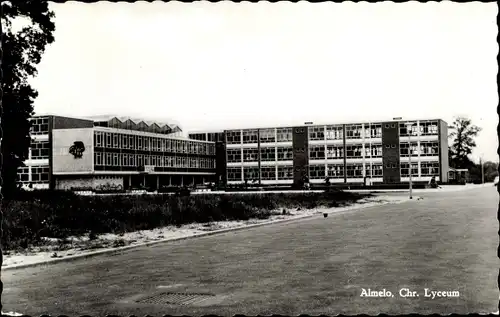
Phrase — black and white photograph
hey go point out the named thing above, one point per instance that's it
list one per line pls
(238, 158)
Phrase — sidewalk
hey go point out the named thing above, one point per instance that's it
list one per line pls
(443, 188)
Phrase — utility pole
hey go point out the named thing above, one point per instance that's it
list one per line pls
(482, 169)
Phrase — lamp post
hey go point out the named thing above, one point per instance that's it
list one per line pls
(482, 168)
(409, 125)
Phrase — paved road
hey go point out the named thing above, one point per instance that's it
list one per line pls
(317, 266)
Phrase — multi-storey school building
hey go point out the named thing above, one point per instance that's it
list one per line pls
(372, 152)
(72, 153)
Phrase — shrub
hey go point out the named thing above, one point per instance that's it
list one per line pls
(34, 215)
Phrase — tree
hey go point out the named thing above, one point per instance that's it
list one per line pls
(463, 135)
(22, 51)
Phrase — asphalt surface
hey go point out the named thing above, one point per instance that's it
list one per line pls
(445, 242)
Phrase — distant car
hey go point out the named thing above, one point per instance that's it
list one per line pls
(497, 179)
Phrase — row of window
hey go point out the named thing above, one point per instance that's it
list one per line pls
(426, 148)
(315, 172)
(356, 131)
(266, 154)
(211, 137)
(39, 125)
(332, 152)
(126, 160)
(266, 136)
(423, 128)
(40, 150)
(39, 174)
(147, 143)
(331, 170)
(267, 173)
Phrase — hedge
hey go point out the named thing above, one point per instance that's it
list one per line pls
(34, 215)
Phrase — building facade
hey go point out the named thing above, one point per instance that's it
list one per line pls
(72, 153)
(373, 152)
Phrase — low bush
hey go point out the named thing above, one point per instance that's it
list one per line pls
(33, 215)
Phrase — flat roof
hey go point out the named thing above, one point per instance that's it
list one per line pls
(316, 124)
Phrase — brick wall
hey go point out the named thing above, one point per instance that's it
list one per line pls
(390, 152)
(71, 123)
(300, 145)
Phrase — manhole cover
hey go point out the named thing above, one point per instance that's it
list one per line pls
(175, 298)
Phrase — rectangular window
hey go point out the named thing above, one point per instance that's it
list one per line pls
(334, 133)
(132, 142)
(373, 130)
(267, 136)
(429, 148)
(354, 151)
(317, 133)
(108, 140)
(317, 171)
(405, 150)
(249, 136)
(250, 155)
(115, 159)
(115, 140)
(335, 170)
(284, 134)
(285, 154)
(139, 142)
(354, 170)
(285, 172)
(429, 127)
(268, 154)
(234, 174)
(233, 137)
(99, 139)
(317, 152)
(373, 150)
(334, 152)
(353, 132)
(375, 170)
(233, 155)
(268, 173)
(429, 168)
(405, 167)
(98, 158)
(109, 159)
(251, 174)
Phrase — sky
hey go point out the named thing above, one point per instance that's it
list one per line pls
(214, 66)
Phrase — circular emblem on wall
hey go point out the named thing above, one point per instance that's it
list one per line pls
(77, 149)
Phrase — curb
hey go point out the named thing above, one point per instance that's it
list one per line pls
(196, 235)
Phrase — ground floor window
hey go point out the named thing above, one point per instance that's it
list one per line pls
(285, 172)
(354, 170)
(268, 173)
(429, 168)
(251, 174)
(317, 172)
(234, 174)
(405, 169)
(374, 170)
(335, 171)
